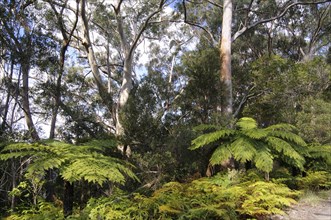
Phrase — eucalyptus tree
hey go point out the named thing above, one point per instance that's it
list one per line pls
(239, 18)
(60, 15)
(123, 26)
(24, 44)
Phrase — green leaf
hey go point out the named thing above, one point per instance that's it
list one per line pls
(246, 123)
(264, 160)
(243, 150)
(221, 154)
(206, 139)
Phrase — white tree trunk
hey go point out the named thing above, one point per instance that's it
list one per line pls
(225, 56)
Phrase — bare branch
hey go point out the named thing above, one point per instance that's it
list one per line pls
(280, 15)
(197, 25)
(215, 4)
(144, 26)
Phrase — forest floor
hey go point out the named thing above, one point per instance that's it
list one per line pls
(311, 207)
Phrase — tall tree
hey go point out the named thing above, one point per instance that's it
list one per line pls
(19, 37)
(128, 28)
(246, 17)
(66, 39)
(225, 60)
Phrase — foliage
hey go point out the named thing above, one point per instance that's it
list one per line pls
(314, 121)
(315, 181)
(285, 90)
(42, 211)
(247, 142)
(266, 198)
(86, 162)
(319, 157)
(219, 197)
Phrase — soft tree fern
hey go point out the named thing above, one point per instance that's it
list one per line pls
(74, 162)
(261, 146)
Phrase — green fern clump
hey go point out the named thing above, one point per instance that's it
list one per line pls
(42, 211)
(263, 199)
(261, 146)
(315, 181)
(228, 196)
(117, 206)
(205, 198)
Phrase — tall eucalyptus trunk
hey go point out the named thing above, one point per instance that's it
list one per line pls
(225, 60)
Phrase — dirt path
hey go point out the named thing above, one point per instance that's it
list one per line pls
(317, 209)
(321, 211)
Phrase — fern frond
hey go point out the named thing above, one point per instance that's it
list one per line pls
(209, 138)
(286, 150)
(264, 160)
(257, 134)
(246, 123)
(289, 136)
(281, 126)
(221, 154)
(321, 151)
(243, 149)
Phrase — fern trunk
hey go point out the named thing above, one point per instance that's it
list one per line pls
(68, 198)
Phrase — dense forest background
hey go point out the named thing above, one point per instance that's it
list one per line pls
(163, 109)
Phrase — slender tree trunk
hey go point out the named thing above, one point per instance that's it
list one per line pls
(225, 59)
(57, 94)
(126, 86)
(25, 67)
(4, 124)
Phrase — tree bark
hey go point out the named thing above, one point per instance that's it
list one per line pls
(105, 97)
(225, 60)
(25, 67)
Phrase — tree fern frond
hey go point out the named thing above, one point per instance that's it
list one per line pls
(288, 136)
(321, 151)
(12, 155)
(243, 150)
(246, 123)
(221, 154)
(286, 150)
(20, 147)
(264, 160)
(284, 147)
(256, 133)
(74, 162)
(206, 139)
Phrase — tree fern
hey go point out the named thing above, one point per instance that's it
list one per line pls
(247, 142)
(74, 162)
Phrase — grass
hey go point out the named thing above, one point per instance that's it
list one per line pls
(314, 198)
